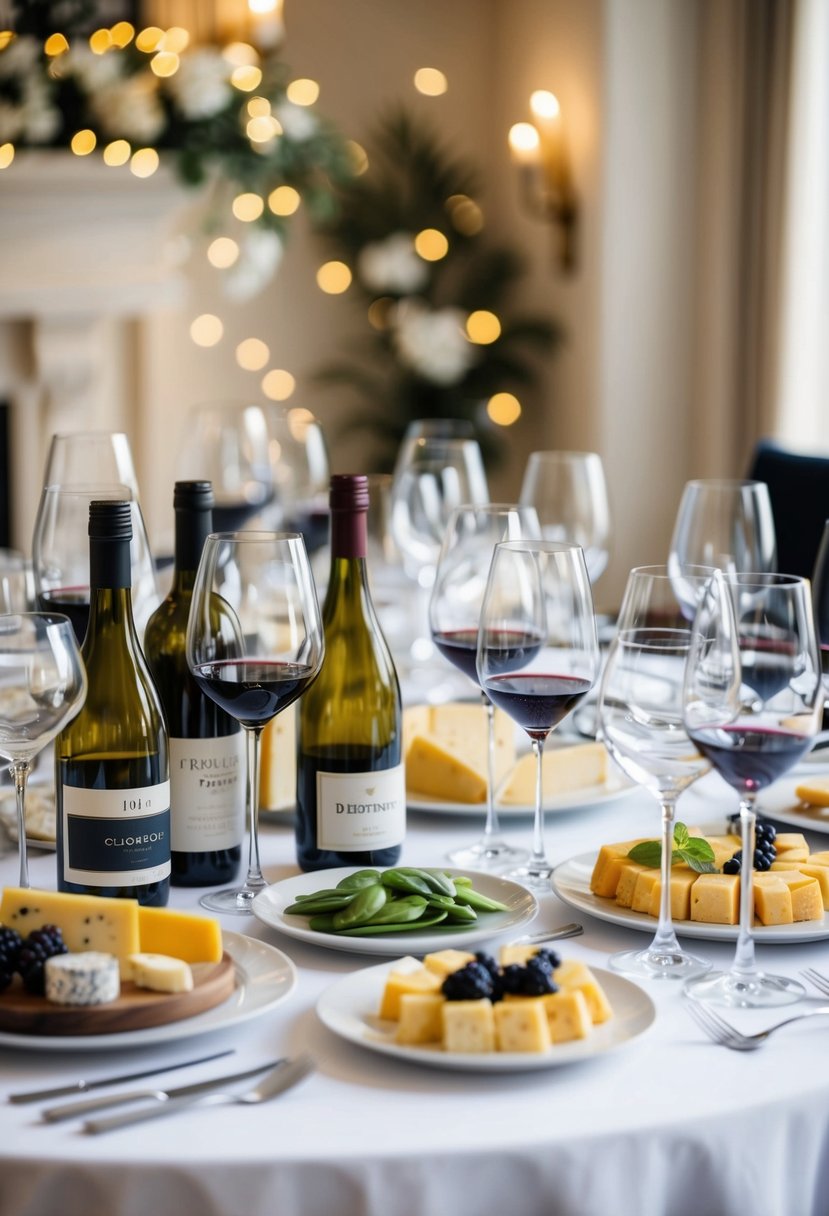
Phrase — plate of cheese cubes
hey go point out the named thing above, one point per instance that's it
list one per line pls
(526, 1010)
(446, 756)
(791, 893)
(802, 802)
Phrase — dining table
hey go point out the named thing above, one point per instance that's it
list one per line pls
(667, 1123)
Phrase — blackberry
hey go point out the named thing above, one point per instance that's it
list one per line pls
(486, 960)
(538, 981)
(732, 866)
(37, 947)
(10, 943)
(512, 979)
(765, 832)
(470, 983)
(551, 959)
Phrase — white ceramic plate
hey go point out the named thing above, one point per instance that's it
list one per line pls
(593, 795)
(264, 978)
(571, 882)
(349, 1009)
(269, 907)
(781, 803)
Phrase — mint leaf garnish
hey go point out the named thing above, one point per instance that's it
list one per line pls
(694, 851)
(681, 836)
(648, 853)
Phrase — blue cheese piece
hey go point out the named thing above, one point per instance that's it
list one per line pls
(88, 978)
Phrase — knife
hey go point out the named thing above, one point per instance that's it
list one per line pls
(68, 1110)
(82, 1087)
(284, 1076)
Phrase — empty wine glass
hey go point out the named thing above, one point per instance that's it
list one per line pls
(724, 524)
(227, 443)
(752, 706)
(16, 591)
(300, 468)
(538, 652)
(569, 493)
(60, 553)
(42, 687)
(81, 457)
(254, 644)
(640, 714)
(454, 617)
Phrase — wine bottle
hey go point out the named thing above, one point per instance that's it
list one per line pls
(351, 796)
(207, 747)
(112, 780)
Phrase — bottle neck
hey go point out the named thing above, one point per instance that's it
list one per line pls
(192, 530)
(110, 585)
(348, 534)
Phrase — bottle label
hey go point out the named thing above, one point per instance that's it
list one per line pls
(116, 837)
(360, 811)
(207, 780)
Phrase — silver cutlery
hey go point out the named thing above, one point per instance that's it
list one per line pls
(550, 935)
(82, 1087)
(816, 979)
(281, 1078)
(70, 1110)
(723, 1033)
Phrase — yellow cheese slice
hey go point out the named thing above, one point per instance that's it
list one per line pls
(446, 750)
(398, 984)
(791, 846)
(86, 922)
(772, 900)
(568, 1015)
(715, 899)
(444, 962)
(682, 882)
(468, 1026)
(522, 1026)
(815, 791)
(277, 774)
(807, 901)
(160, 973)
(608, 868)
(572, 975)
(195, 939)
(563, 770)
(630, 872)
(420, 1018)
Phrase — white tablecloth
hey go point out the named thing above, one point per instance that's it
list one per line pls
(669, 1124)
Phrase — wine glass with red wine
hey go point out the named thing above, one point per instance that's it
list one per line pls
(254, 644)
(538, 652)
(752, 705)
(454, 616)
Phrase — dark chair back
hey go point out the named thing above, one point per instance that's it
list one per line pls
(799, 492)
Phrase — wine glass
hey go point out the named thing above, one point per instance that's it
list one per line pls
(752, 705)
(60, 553)
(538, 651)
(640, 716)
(81, 457)
(569, 493)
(42, 687)
(227, 443)
(15, 579)
(724, 524)
(254, 644)
(300, 468)
(439, 428)
(820, 601)
(454, 617)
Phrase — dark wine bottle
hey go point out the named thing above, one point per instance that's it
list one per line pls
(207, 747)
(113, 779)
(351, 795)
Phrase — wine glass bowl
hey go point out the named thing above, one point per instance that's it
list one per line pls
(569, 493)
(80, 457)
(537, 651)
(42, 687)
(227, 443)
(254, 644)
(300, 467)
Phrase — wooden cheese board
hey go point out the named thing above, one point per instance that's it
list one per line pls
(135, 1009)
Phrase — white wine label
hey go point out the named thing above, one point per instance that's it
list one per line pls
(116, 837)
(360, 811)
(207, 781)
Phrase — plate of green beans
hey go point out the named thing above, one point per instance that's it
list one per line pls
(384, 911)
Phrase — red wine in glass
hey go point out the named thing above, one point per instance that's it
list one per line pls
(750, 759)
(511, 648)
(537, 702)
(253, 690)
(73, 602)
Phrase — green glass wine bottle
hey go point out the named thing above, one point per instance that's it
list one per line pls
(351, 796)
(112, 778)
(207, 747)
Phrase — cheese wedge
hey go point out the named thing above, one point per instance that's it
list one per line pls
(608, 868)
(277, 774)
(195, 939)
(446, 750)
(814, 792)
(87, 922)
(715, 899)
(563, 770)
(160, 973)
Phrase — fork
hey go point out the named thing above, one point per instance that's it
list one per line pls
(816, 980)
(726, 1035)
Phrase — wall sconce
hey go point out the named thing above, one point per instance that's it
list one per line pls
(539, 151)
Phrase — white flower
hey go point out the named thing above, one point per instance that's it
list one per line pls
(130, 108)
(297, 122)
(11, 121)
(392, 265)
(91, 71)
(433, 343)
(41, 120)
(260, 252)
(200, 87)
(19, 57)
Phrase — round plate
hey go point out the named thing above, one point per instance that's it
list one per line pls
(571, 882)
(781, 803)
(269, 907)
(264, 978)
(616, 786)
(349, 1009)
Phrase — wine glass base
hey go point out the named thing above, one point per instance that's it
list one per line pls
(653, 964)
(533, 876)
(231, 902)
(754, 991)
(488, 855)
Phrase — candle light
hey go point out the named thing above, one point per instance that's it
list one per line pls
(267, 25)
(525, 144)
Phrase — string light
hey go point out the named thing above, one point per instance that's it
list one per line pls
(284, 200)
(149, 39)
(465, 214)
(83, 142)
(277, 384)
(222, 252)
(379, 312)
(334, 278)
(144, 162)
(431, 244)
(261, 130)
(6, 155)
(252, 354)
(430, 82)
(207, 329)
(248, 207)
(175, 40)
(122, 33)
(246, 78)
(303, 92)
(503, 409)
(55, 44)
(117, 153)
(239, 54)
(258, 107)
(165, 63)
(6, 37)
(100, 41)
(483, 327)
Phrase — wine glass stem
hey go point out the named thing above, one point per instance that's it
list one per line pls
(20, 770)
(491, 827)
(539, 857)
(255, 880)
(744, 958)
(665, 941)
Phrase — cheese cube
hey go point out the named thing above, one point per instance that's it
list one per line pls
(444, 962)
(627, 882)
(277, 774)
(682, 882)
(574, 976)
(421, 1019)
(815, 791)
(772, 900)
(515, 954)
(522, 1026)
(563, 770)
(807, 901)
(87, 922)
(196, 939)
(646, 883)
(608, 868)
(568, 1015)
(819, 859)
(447, 748)
(468, 1026)
(160, 973)
(715, 899)
(398, 983)
(791, 846)
(820, 873)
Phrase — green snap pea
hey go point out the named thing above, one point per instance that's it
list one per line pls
(414, 926)
(440, 883)
(400, 911)
(461, 914)
(362, 907)
(326, 903)
(323, 923)
(462, 880)
(356, 882)
(482, 903)
(400, 880)
(334, 892)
